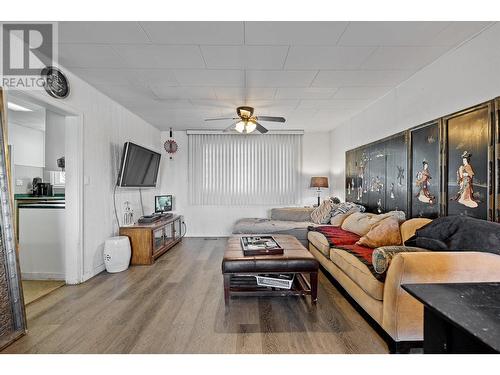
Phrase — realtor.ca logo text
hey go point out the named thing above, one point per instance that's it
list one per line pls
(27, 48)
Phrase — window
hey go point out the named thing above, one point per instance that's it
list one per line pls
(244, 170)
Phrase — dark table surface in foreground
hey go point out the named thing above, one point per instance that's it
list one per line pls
(472, 307)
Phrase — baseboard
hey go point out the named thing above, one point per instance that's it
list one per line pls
(97, 270)
(42, 276)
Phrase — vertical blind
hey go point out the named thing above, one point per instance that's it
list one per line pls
(244, 170)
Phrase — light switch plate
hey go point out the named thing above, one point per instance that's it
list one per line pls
(86, 180)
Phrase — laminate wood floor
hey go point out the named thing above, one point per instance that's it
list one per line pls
(35, 289)
(177, 306)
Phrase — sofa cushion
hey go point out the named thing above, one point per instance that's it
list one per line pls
(384, 233)
(323, 213)
(298, 229)
(409, 227)
(292, 213)
(339, 218)
(357, 270)
(320, 242)
(342, 210)
(361, 223)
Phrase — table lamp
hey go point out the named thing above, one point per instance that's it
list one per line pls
(319, 183)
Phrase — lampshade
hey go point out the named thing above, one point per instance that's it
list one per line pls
(319, 182)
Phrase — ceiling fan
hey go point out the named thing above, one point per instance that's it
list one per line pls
(247, 122)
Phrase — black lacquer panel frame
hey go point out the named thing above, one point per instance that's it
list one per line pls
(425, 163)
(470, 132)
(475, 130)
(376, 174)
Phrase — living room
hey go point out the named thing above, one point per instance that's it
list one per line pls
(274, 185)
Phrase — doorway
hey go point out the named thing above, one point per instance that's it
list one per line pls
(46, 143)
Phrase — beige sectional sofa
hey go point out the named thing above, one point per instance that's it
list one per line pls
(395, 311)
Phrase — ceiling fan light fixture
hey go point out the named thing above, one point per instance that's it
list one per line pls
(240, 126)
(250, 127)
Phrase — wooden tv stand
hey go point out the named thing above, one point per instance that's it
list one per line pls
(150, 241)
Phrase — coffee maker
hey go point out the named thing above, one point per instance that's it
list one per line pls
(41, 189)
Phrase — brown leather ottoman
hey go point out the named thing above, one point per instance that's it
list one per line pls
(295, 259)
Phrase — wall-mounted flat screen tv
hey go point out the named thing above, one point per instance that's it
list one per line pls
(139, 166)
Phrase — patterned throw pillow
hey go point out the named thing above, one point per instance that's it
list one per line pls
(382, 256)
(323, 213)
(342, 211)
(384, 233)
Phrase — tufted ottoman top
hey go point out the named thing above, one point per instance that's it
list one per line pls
(295, 258)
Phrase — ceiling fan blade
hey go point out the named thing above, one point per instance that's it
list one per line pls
(260, 128)
(222, 118)
(230, 128)
(270, 118)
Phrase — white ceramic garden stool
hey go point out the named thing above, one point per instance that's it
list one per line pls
(117, 254)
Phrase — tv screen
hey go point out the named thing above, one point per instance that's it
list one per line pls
(139, 167)
(163, 203)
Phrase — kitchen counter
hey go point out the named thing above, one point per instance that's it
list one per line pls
(29, 202)
(43, 197)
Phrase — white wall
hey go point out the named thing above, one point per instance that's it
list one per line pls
(55, 125)
(28, 145)
(106, 126)
(208, 221)
(461, 78)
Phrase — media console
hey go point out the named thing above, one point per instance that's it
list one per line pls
(150, 241)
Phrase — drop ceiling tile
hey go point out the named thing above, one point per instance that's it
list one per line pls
(89, 56)
(303, 33)
(326, 57)
(226, 106)
(330, 114)
(104, 76)
(336, 78)
(144, 77)
(210, 77)
(160, 56)
(242, 93)
(127, 93)
(333, 103)
(304, 93)
(101, 32)
(361, 92)
(402, 33)
(244, 57)
(174, 103)
(409, 58)
(148, 77)
(168, 92)
(458, 32)
(262, 106)
(195, 32)
(276, 78)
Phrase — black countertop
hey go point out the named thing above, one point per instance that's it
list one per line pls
(474, 307)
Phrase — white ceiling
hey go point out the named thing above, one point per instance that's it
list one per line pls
(316, 74)
(34, 119)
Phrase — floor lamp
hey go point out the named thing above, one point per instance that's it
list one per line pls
(319, 183)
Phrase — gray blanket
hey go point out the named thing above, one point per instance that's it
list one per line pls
(458, 233)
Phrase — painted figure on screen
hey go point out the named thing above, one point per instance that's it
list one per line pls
(465, 175)
(423, 183)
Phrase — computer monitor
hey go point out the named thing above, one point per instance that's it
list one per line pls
(163, 203)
